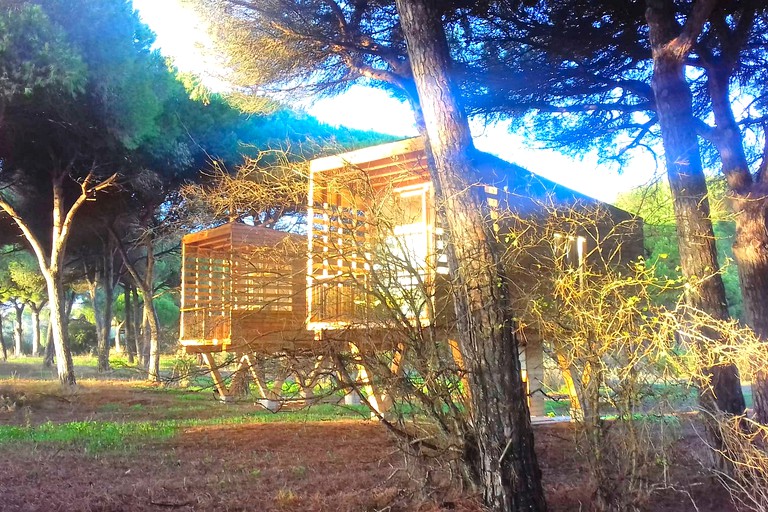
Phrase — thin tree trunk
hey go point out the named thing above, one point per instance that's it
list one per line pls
(698, 256)
(2, 339)
(18, 331)
(49, 347)
(109, 297)
(138, 328)
(118, 342)
(149, 312)
(507, 467)
(93, 294)
(151, 332)
(130, 325)
(108, 287)
(36, 327)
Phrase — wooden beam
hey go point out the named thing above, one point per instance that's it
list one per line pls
(221, 387)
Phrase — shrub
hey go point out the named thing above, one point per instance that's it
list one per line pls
(82, 336)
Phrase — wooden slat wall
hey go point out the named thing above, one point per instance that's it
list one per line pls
(347, 204)
(241, 283)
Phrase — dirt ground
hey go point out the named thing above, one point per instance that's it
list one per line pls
(341, 465)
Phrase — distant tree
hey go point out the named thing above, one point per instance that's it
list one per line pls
(586, 81)
(671, 46)
(733, 55)
(654, 204)
(62, 150)
(22, 285)
(98, 255)
(25, 273)
(39, 61)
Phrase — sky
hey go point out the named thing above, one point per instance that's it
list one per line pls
(182, 36)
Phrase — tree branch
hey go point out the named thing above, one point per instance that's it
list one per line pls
(681, 45)
(86, 193)
(37, 247)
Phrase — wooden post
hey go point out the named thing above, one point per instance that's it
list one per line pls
(534, 372)
(221, 388)
(459, 360)
(364, 380)
(381, 402)
(396, 366)
(270, 397)
(184, 304)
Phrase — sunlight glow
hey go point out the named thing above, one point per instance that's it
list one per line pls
(182, 36)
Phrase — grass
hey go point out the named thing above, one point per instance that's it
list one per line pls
(85, 366)
(557, 407)
(96, 437)
(93, 437)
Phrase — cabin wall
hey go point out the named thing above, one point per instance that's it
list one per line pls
(243, 289)
(355, 240)
(205, 294)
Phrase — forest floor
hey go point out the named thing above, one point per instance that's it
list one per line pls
(120, 445)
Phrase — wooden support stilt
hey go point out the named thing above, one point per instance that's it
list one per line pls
(459, 360)
(353, 397)
(218, 381)
(364, 381)
(270, 398)
(564, 365)
(396, 367)
(379, 399)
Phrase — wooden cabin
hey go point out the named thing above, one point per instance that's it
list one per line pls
(243, 290)
(373, 260)
(373, 226)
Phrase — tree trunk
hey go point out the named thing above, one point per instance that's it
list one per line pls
(105, 279)
(57, 303)
(18, 331)
(748, 198)
(138, 329)
(149, 312)
(36, 327)
(49, 347)
(2, 338)
(130, 331)
(51, 263)
(118, 342)
(151, 331)
(506, 462)
(698, 255)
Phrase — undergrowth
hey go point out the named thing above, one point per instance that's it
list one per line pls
(97, 437)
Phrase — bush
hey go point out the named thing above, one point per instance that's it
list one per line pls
(82, 336)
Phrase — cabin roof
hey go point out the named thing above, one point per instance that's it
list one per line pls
(492, 170)
(239, 235)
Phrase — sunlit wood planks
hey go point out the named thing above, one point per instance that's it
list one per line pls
(243, 288)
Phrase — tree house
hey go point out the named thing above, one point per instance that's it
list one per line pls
(243, 290)
(373, 260)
